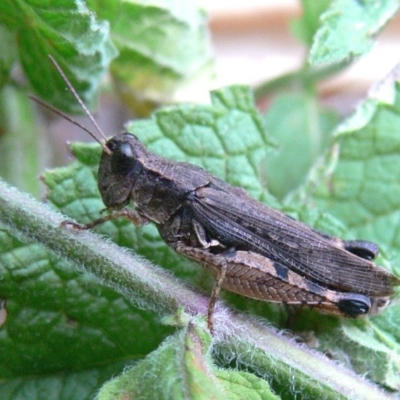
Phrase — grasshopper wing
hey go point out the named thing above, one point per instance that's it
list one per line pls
(236, 220)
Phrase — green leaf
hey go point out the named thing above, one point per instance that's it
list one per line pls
(358, 20)
(164, 46)
(364, 340)
(304, 28)
(360, 185)
(182, 368)
(82, 48)
(301, 130)
(357, 182)
(226, 138)
(83, 384)
(61, 318)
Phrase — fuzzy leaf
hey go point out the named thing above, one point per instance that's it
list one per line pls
(82, 384)
(164, 45)
(358, 20)
(227, 138)
(357, 180)
(82, 48)
(182, 368)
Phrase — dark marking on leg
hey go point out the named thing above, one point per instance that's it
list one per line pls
(281, 271)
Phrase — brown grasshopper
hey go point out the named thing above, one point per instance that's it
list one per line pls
(250, 248)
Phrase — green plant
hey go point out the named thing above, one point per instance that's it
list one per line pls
(79, 309)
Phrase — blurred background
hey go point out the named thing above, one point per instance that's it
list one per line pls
(253, 43)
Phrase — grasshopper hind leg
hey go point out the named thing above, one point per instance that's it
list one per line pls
(361, 248)
(217, 263)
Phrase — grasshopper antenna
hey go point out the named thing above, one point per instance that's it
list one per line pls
(65, 116)
(78, 99)
(82, 104)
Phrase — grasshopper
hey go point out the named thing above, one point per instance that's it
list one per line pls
(251, 249)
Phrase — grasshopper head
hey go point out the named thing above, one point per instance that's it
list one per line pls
(120, 165)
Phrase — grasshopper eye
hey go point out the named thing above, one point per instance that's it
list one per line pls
(122, 159)
(353, 308)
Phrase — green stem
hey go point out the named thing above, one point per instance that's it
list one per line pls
(304, 77)
(259, 347)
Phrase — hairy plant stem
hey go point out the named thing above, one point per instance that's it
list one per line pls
(256, 345)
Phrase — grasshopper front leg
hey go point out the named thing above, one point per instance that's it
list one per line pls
(133, 216)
